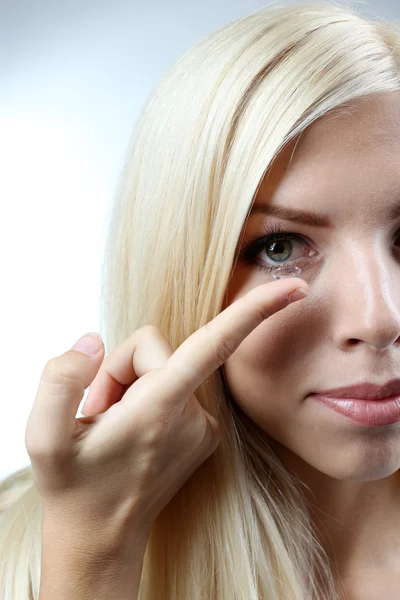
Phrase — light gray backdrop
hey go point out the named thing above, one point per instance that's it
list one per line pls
(73, 77)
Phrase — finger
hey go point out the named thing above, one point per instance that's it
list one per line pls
(145, 350)
(60, 391)
(211, 345)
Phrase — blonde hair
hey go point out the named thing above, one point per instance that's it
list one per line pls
(240, 528)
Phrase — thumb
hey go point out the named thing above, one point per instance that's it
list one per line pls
(61, 388)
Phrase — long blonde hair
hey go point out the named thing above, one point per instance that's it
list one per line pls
(240, 528)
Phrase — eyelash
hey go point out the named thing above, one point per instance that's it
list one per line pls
(273, 233)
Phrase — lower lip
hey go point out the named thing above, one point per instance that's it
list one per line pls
(369, 413)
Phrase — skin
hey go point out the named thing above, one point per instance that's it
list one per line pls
(347, 330)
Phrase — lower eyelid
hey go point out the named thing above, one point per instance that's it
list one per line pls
(302, 263)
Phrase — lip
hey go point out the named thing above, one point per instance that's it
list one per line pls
(367, 413)
(364, 391)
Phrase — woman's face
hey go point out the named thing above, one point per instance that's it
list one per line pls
(346, 169)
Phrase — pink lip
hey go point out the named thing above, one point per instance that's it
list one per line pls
(364, 391)
(368, 413)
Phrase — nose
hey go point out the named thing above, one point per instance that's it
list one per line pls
(367, 289)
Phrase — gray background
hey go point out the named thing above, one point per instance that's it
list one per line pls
(73, 77)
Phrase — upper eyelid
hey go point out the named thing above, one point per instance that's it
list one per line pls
(259, 242)
(264, 239)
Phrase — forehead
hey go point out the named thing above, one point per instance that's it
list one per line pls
(341, 155)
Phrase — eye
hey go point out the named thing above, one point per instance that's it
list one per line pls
(398, 238)
(278, 246)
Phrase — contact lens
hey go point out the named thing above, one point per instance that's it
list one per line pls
(286, 271)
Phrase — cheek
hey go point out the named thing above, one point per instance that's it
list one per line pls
(274, 348)
(260, 373)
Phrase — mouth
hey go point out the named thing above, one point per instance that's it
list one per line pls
(363, 391)
(362, 412)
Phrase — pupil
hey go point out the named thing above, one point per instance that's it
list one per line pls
(278, 247)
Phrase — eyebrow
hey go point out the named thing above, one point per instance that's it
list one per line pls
(304, 217)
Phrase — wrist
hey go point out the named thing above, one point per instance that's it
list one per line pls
(87, 566)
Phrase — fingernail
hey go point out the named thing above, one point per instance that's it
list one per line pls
(298, 294)
(88, 344)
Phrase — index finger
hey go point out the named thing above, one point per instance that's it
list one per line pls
(211, 345)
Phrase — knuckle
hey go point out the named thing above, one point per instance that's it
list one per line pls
(148, 330)
(41, 449)
(263, 312)
(209, 436)
(223, 347)
(61, 369)
(212, 436)
(194, 422)
(36, 451)
(152, 333)
(215, 427)
(30, 445)
(197, 428)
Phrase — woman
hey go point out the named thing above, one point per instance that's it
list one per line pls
(273, 142)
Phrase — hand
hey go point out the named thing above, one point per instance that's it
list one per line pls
(145, 433)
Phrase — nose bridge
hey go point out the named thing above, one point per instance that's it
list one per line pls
(369, 291)
(369, 272)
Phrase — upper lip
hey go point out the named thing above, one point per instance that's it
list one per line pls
(364, 390)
